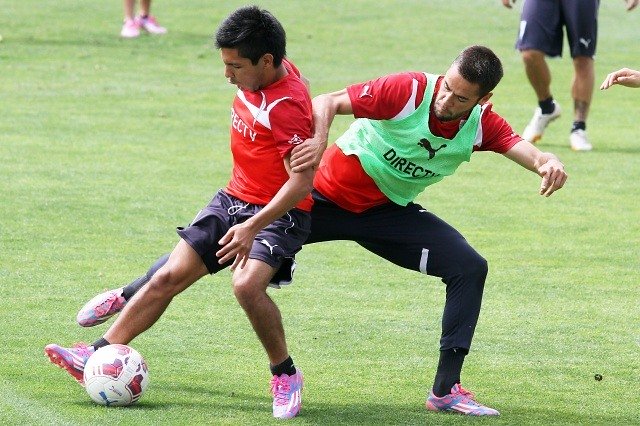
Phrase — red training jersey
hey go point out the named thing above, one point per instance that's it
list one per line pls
(265, 127)
(342, 179)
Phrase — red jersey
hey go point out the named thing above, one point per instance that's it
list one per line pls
(265, 127)
(342, 179)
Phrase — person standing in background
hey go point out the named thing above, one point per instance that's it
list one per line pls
(540, 35)
(144, 21)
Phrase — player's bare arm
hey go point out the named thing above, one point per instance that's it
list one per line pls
(325, 108)
(624, 77)
(545, 164)
(237, 242)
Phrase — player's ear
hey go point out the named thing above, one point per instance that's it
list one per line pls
(485, 98)
(267, 60)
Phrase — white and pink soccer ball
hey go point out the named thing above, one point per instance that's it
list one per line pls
(116, 375)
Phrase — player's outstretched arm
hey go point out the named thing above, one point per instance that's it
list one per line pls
(545, 164)
(624, 77)
(631, 4)
(325, 108)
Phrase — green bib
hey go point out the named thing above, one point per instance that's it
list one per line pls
(402, 156)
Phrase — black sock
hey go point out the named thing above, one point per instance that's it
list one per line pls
(449, 368)
(285, 367)
(547, 106)
(578, 125)
(101, 342)
(133, 287)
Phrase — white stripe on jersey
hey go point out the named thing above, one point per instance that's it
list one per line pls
(256, 111)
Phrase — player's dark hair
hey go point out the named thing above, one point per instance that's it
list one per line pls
(254, 32)
(479, 65)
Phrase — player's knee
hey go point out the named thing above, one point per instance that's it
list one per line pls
(470, 268)
(476, 266)
(164, 284)
(532, 56)
(479, 268)
(245, 291)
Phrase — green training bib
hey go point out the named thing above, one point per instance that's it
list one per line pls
(402, 156)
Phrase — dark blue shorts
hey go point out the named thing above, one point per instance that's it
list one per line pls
(542, 23)
(274, 244)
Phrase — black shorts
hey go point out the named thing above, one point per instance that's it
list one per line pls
(542, 22)
(274, 244)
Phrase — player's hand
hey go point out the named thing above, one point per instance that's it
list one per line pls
(553, 177)
(624, 77)
(631, 4)
(237, 242)
(306, 155)
(507, 3)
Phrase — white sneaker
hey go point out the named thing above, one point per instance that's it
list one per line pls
(579, 141)
(534, 130)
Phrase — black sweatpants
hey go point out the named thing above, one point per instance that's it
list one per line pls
(415, 239)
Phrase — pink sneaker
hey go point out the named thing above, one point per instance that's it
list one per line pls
(101, 308)
(150, 25)
(287, 395)
(130, 29)
(71, 359)
(461, 401)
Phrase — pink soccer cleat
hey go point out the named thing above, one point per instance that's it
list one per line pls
(130, 28)
(460, 401)
(150, 25)
(287, 395)
(101, 308)
(71, 359)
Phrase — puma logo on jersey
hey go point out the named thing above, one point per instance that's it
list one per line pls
(424, 142)
(266, 243)
(585, 42)
(365, 92)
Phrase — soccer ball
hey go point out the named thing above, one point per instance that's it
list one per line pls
(115, 375)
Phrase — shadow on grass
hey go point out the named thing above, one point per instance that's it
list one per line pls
(227, 404)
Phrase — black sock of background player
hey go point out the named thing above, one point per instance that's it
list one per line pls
(449, 368)
(285, 367)
(101, 342)
(578, 125)
(133, 287)
(547, 106)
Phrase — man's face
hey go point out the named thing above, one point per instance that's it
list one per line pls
(456, 96)
(241, 72)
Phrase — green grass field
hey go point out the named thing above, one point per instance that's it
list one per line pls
(107, 144)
